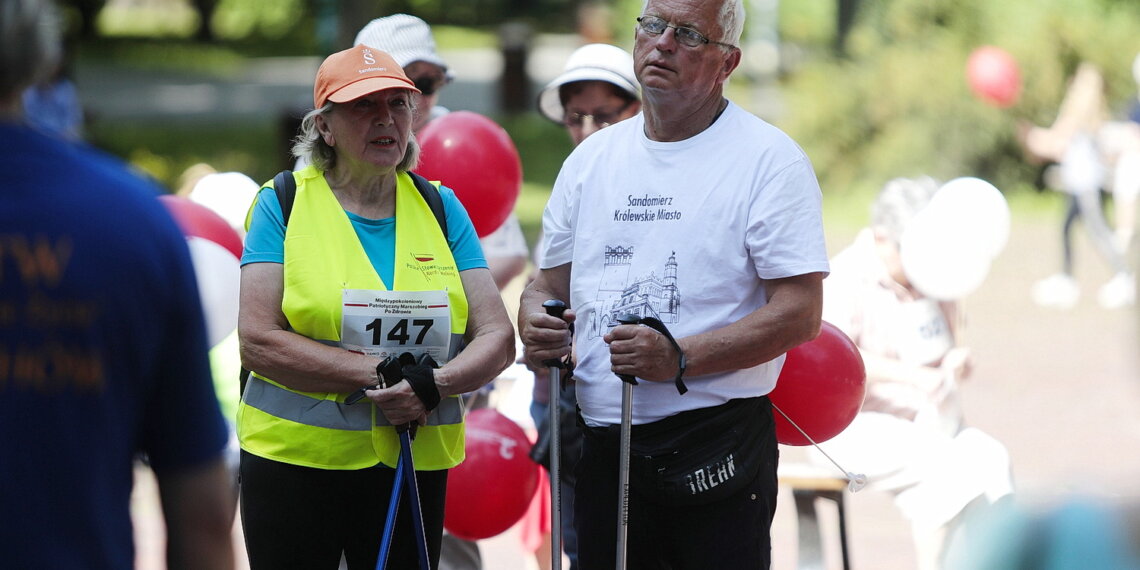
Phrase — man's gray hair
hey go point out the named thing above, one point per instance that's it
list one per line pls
(732, 21)
(30, 45)
(898, 202)
(730, 18)
(311, 146)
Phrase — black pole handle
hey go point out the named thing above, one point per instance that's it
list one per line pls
(554, 308)
(628, 319)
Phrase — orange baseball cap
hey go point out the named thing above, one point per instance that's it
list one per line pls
(356, 72)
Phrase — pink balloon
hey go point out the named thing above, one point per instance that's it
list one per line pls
(476, 158)
(197, 220)
(994, 76)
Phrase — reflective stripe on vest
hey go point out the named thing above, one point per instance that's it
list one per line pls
(284, 403)
(323, 256)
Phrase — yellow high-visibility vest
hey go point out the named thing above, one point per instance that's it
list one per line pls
(323, 257)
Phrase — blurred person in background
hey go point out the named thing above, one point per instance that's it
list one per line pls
(102, 347)
(317, 470)
(1081, 173)
(1072, 531)
(596, 89)
(52, 104)
(1120, 143)
(909, 437)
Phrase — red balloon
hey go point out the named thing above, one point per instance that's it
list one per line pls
(491, 490)
(994, 76)
(476, 158)
(820, 388)
(197, 220)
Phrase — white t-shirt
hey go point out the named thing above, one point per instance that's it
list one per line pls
(683, 231)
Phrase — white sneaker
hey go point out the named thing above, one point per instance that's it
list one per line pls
(1058, 290)
(1120, 291)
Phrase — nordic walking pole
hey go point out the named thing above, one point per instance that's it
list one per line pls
(624, 451)
(555, 308)
(414, 495)
(390, 519)
(405, 480)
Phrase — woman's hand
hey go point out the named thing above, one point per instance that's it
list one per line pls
(399, 404)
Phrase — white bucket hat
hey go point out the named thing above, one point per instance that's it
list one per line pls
(591, 62)
(406, 38)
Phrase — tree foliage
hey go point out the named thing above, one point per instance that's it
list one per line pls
(898, 103)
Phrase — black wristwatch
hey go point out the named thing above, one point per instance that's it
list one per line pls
(656, 324)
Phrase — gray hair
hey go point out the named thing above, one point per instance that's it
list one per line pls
(730, 18)
(30, 45)
(898, 202)
(310, 146)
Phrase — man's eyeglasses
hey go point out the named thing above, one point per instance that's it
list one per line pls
(655, 26)
(429, 85)
(602, 120)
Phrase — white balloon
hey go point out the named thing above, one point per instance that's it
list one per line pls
(229, 194)
(939, 258)
(219, 274)
(980, 211)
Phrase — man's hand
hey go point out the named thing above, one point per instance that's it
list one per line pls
(642, 352)
(545, 337)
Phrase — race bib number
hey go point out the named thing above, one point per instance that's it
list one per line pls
(387, 323)
(925, 335)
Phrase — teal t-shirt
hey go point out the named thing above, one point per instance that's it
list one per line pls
(265, 241)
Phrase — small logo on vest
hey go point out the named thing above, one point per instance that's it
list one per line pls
(423, 257)
(710, 476)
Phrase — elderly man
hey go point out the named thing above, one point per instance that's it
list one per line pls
(703, 221)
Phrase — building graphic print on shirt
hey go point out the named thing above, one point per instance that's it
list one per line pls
(649, 295)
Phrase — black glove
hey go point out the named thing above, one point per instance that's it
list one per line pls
(421, 376)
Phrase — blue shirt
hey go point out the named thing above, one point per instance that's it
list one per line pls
(265, 241)
(102, 353)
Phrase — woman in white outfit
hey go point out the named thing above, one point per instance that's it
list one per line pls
(909, 438)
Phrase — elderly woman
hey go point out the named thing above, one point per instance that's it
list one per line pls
(358, 272)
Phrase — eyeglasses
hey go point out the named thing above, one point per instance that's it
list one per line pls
(429, 85)
(602, 120)
(655, 26)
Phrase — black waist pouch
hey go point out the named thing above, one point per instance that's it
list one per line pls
(701, 456)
